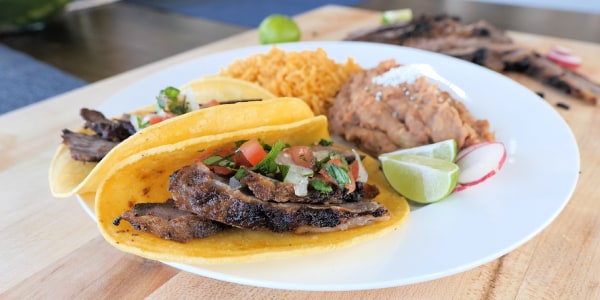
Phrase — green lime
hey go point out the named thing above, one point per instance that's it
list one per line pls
(396, 16)
(445, 150)
(419, 178)
(278, 29)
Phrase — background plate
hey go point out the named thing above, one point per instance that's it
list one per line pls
(464, 231)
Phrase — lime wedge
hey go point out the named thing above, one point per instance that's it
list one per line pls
(396, 16)
(419, 178)
(278, 29)
(445, 150)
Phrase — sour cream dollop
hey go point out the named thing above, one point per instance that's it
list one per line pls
(410, 73)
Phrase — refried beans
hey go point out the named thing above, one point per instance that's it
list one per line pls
(383, 118)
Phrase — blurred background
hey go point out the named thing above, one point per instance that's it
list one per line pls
(48, 47)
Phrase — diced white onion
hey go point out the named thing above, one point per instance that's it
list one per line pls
(161, 113)
(321, 154)
(234, 183)
(299, 181)
(300, 170)
(190, 98)
(297, 175)
(136, 120)
(363, 176)
(133, 119)
(283, 158)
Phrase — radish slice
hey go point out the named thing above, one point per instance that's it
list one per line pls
(561, 50)
(466, 150)
(459, 187)
(564, 57)
(479, 162)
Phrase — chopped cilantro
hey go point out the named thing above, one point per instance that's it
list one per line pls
(321, 163)
(215, 160)
(241, 172)
(321, 186)
(268, 166)
(140, 123)
(324, 142)
(284, 169)
(339, 174)
(168, 101)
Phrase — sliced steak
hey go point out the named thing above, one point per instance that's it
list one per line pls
(108, 134)
(431, 33)
(115, 130)
(85, 147)
(483, 44)
(168, 222)
(195, 188)
(268, 189)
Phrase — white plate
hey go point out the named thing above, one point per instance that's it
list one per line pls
(464, 231)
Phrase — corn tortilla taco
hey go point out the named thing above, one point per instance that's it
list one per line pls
(68, 176)
(144, 178)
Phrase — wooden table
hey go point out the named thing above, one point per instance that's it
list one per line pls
(51, 249)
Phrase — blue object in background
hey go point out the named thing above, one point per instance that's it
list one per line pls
(25, 80)
(248, 13)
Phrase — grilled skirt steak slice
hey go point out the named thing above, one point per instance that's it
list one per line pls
(93, 147)
(111, 130)
(85, 147)
(195, 188)
(168, 222)
(268, 189)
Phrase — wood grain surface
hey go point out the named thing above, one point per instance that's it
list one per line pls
(51, 249)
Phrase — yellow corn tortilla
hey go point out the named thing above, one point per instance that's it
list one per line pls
(225, 88)
(144, 178)
(68, 176)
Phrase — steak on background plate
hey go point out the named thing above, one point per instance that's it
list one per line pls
(481, 43)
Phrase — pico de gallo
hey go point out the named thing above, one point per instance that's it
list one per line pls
(321, 166)
(170, 102)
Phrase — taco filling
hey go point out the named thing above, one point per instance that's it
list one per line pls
(108, 133)
(252, 185)
(257, 193)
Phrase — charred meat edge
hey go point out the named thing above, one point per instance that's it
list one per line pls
(268, 189)
(195, 188)
(168, 222)
(93, 147)
(107, 134)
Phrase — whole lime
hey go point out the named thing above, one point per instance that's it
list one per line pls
(278, 29)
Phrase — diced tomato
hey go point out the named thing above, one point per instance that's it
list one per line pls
(336, 161)
(155, 118)
(219, 170)
(239, 160)
(217, 151)
(223, 152)
(253, 151)
(353, 171)
(302, 156)
(327, 177)
(210, 103)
